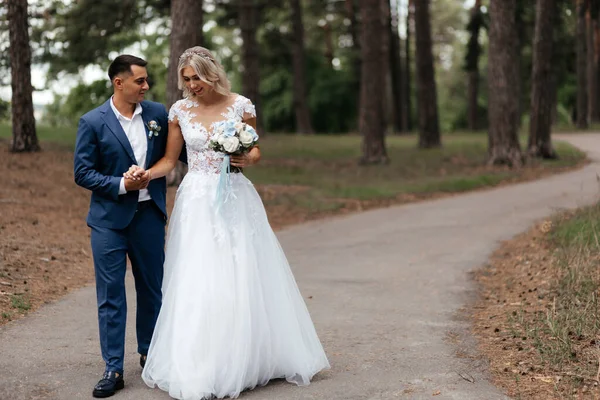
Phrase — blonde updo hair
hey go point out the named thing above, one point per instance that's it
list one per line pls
(206, 67)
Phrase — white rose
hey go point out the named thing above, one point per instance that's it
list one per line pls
(231, 144)
(246, 138)
(221, 139)
(239, 126)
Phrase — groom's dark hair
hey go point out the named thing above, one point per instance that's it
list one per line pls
(123, 63)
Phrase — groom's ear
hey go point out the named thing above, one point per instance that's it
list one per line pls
(117, 82)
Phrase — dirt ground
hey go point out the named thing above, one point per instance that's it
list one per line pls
(515, 291)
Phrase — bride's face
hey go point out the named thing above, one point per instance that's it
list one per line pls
(193, 82)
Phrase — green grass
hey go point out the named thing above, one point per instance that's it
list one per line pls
(62, 135)
(20, 302)
(565, 335)
(326, 167)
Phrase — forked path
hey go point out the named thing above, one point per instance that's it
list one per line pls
(384, 287)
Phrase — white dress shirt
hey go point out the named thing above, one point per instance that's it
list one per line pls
(136, 133)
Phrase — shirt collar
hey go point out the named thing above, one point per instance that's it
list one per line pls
(138, 110)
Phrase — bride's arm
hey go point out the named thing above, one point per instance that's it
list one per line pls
(174, 145)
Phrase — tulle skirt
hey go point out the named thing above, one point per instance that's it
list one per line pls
(232, 316)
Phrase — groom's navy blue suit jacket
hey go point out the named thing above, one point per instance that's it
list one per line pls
(103, 154)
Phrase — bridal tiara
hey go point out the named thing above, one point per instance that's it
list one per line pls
(189, 53)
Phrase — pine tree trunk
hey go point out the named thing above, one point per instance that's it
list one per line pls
(186, 31)
(23, 121)
(248, 14)
(410, 18)
(472, 65)
(503, 110)
(582, 87)
(596, 114)
(351, 13)
(543, 85)
(371, 119)
(429, 131)
(591, 68)
(395, 69)
(303, 124)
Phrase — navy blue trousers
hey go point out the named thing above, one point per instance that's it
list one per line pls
(143, 241)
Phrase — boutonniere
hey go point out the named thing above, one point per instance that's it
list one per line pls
(153, 128)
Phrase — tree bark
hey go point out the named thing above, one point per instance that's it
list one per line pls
(23, 121)
(582, 88)
(186, 31)
(187, 20)
(472, 65)
(503, 141)
(410, 18)
(371, 119)
(248, 15)
(543, 82)
(596, 114)
(429, 130)
(591, 68)
(303, 124)
(351, 13)
(395, 69)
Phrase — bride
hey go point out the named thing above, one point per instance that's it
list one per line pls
(232, 316)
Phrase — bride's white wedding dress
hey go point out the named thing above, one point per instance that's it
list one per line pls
(232, 316)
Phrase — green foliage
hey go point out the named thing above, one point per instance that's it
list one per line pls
(81, 99)
(76, 34)
(4, 110)
(333, 90)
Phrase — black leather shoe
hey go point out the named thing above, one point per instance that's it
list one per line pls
(108, 385)
(143, 358)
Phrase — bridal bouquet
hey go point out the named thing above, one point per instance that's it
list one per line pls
(233, 137)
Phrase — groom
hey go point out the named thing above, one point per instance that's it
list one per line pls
(127, 218)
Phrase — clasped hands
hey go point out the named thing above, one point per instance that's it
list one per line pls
(137, 178)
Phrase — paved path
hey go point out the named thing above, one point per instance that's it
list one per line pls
(384, 289)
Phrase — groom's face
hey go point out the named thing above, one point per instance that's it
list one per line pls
(133, 85)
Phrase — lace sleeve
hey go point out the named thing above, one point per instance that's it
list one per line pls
(173, 113)
(248, 110)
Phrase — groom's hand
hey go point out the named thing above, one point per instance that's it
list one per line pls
(136, 178)
(131, 184)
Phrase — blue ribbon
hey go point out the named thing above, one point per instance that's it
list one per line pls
(224, 186)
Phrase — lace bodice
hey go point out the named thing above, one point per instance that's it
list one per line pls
(197, 136)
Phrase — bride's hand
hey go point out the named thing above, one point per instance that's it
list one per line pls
(134, 173)
(246, 159)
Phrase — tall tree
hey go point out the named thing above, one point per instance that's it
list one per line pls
(407, 92)
(476, 23)
(582, 88)
(543, 82)
(591, 66)
(303, 124)
(374, 56)
(248, 19)
(429, 127)
(503, 147)
(186, 31)
(396, 72)
(23, 121)
(596, 17)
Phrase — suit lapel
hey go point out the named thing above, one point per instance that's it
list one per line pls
(115, 127)
(150, 140)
